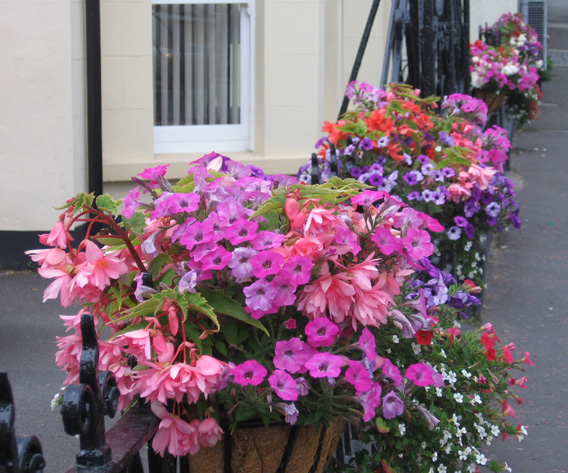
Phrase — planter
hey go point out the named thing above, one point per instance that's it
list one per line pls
(493, 100)
(280, 448)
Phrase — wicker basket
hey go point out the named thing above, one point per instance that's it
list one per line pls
(493, 100)
(280, 448)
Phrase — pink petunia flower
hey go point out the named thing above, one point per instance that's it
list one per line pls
(284, 385)
(358, 376)
(324, 365)
(265, 263)
(290, 355)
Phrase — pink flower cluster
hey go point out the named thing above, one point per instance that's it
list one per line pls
(238, 287)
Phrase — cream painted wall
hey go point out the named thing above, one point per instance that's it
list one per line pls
(487, 12)
(42, 120)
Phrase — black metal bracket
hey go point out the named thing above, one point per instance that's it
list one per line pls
(85, 405)
(18, 454)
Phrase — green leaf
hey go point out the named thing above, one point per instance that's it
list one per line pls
(110, 240)
(136, 223)
(195, 301)
(157, 264)
(271, 205)
(221, 348)
(131, 328)
(105, 202)
(223, 304)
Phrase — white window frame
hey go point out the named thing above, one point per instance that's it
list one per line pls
(220, 138)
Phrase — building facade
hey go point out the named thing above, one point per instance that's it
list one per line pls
(251, 79)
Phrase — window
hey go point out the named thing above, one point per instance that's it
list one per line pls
(202, 75)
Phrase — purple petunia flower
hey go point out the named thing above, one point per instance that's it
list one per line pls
(460, 221)
(493, 209)
(376, 179)
(469, 230)
(415, 195)
(392, 406)
(356, 172)
(240, 265)
(471, 207)
(383, 141)
(454, 233)
(259, 295)
(366, 144)
(413, 177)
(448, 172)
(290, 412)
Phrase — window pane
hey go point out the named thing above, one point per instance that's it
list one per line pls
(197, 61)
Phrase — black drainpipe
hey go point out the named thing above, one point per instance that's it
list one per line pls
(94, 101)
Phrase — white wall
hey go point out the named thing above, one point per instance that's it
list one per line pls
(484, 12)
(41, 98)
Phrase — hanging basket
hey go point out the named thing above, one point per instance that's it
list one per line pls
(493, 100)
(279, 449)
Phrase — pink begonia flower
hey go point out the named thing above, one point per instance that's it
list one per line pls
(508, 409)
(421, 374)
(372, 307)
(284, 385)
(207, 432)
(457, 192)
(417, 243)
(331, 292)
(324, 365)
(250, 372)
(102, 268)
(58, 237)
(290, 355)
(482, 176)
(321, 332)
(173, 435)
(358, 376)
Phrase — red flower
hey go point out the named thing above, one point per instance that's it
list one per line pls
(424, 337)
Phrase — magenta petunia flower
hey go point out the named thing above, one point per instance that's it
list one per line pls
(284, 385)
(368, 344)
(392, 406)
(286, 288)
(386, 241)
(324, 365)
(131, 202)
(421, 374)
(241, 230)
(265, 263)
(321, 332)
(358, 376)
(368, 197)
(250, 372)
(290, 355)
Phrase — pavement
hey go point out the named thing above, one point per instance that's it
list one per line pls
(526, 298)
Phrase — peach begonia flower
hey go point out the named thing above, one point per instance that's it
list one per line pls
(482, 176)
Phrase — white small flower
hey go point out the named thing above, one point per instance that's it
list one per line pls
(388, 350)
(455, 419)
(448, 448)
(476, 399)
(402, 429)
(442, 469)
(395, 339)
(462, 455)
(439, 392)
(480, 459)
(451, 377)
(55, 402)
(466, 373)
(507, 467)
(435, 457)
(495, 430)
(471, 468)
(417, 349)
(423, 445)
(443, 353)
(458, 398)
